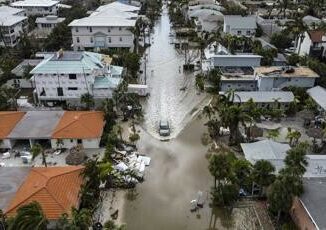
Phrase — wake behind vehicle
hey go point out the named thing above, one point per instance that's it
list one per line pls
(164, 128)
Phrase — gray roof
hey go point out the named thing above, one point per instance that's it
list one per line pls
(318, 94)
(50, 19)
(240, 22)
(19, 70)
(314, 200)
(264, 96)
(36, 125)
(10, 180)
(269, 150)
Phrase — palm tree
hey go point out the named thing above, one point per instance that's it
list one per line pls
(37, 150)
(263, 174)
(295, 160)
(297, 27)
(293, 136)
(88, 100)
(81, 218)
(208, 111)
(29, 216)
(220, 168)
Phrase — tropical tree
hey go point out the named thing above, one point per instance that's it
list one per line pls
(88, 100)
(297, 27)
(81, 218)
(273, 133)
(200, 82)
(37, 150)
(295, 160)
(263, 174)
(29, 216)
(220, 168)
(242, 171)
(293, 136)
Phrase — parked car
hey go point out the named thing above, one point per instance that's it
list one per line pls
(164, 128)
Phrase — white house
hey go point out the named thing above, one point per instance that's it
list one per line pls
(46, 24)
(318, 94)
(240, 25)
(313, 44)
(37, 7)
(109, 26)
(275, 153)
(265, 99)
(13, 22)
(66, 75)
(279, 77)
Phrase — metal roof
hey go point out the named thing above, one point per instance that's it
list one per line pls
(314, 200)
(35, 3)
(240, 22)
(70, 62)
(318, 94)
(105, 82)
(36, 125)
(50, 19)
(264, 96)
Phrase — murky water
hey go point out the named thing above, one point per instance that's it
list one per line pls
(172, 92)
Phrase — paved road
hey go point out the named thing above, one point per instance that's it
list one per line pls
(165, 79)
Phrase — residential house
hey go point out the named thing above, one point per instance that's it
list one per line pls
(56, 189)
(280, 77)
(8, 121)
(109, 26)
(13, 23)
(78, 127)
(308, 210)
(207, 17)
(240, 25)
(312, 44)
(265, 99)
(35, 127)
(13, 178)
(318, 94)
(58, 129)
(37, 7)
(66, 75)
(236, 69)
(46, 24)
(275, 153)
(21, 73)
(311, 21)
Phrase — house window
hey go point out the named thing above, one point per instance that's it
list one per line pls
(248, 33)
(109, 29)
(239, 32)
(289, 79)
(229, 86)
(60, 91)
(77, 39)
(91, 39)
(109, 39)
(90, 29)
(72, 88)
(120, 28)
(79, 141)
(77, 29)
(72, 76)
(71, 140)
(43, 93)
(120, 39)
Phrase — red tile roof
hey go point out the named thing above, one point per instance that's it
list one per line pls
(80, 124)
(316, 35)
(55, 188)
(8, 121)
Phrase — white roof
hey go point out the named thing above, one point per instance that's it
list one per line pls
(318, 94)
(50, 19)
(9, 10)
(240, 22)
(103, 21)
(9, 20)
(264, 96)
(36, 3)
(114, 14)
(120, 6)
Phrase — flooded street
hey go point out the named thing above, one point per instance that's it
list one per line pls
(165, 78)
(179, 168)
